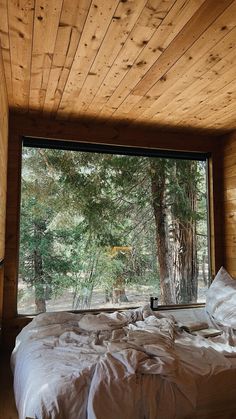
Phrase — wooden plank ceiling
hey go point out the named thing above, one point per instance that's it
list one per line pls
(166, 62)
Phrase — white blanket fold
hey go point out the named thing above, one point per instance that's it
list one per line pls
(133, 364)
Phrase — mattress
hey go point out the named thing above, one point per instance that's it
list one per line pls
(131, 364)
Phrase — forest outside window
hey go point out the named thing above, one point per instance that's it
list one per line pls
(106, 227)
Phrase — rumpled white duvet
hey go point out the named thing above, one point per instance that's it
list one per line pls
(123, 365)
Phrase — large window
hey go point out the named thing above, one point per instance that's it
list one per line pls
(110, 227)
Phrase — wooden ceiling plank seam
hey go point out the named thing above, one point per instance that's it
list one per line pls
(78, 57)
(73, 114)
(207, 68)
(3, 97)
(65, 74)
(131, 49)
(161, 38)
(230, 116)
(181, 75)
(200, 21)
(46, 19)
(214, 76)
(229, 125)
(148, 102)
(61, 45)
(90, 42)
(66, 70)
(5, 46)
(219, 89)
(174, 21)
(215, 125)
(73, 24)
(86, 5)
(223, 107)
(199, 85)
(126, 60)
(194, 90)
(60, 88)
(31, 57)
(48, 53)
(217, 122)
(20, 16)
(116, 75)
(177, 115)
(119, 31)
(197, 123)
(218, 98)
(190, 86)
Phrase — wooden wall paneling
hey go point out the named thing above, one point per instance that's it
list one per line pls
(231, 182)
(229, 151)
(1, 300)
(229, 194)
(229, 203)
(85, 131)
(231, 263)
(3, 155)
(230, 250)
(3, 175)
(229, 230)
(114, 132)
(229, 166)
(216, 210)
(12, 226)
(230, 239)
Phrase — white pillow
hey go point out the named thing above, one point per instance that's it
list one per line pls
(221, 299)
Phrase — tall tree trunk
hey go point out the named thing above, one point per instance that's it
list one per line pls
(40, 300)
(158, 188)
(205, 276)
(187, 264)
(118, 291)
(184, 247)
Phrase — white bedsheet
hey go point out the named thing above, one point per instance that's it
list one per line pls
(129, 365)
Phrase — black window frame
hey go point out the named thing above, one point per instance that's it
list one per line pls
(94, 147)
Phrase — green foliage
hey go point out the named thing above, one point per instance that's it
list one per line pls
(77, 206)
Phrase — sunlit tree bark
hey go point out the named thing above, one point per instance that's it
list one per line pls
(183, 231)
(158, 188)
(40, 301)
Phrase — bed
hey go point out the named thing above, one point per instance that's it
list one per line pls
(127, 365)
